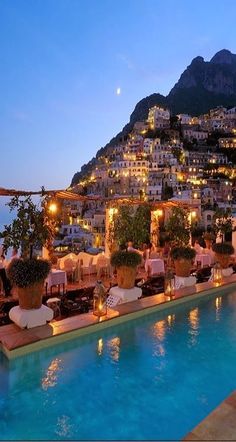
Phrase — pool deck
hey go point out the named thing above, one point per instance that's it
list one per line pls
(219, 425)
(15, 342)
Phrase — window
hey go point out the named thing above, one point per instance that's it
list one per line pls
(208, 217)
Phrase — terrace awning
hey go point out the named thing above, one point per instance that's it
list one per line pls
(61, 194)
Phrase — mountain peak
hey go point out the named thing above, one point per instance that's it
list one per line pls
(197, 60)
(224, 57)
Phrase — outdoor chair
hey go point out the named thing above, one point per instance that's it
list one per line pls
(78, 271)
(102, 266)
(88, 269)
(69, 268)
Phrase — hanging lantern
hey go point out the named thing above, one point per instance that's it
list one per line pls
(217, 273)
(99, 300)
(169, 284)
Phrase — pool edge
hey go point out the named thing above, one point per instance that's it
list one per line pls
(110, 322)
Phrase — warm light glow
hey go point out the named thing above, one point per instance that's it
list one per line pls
(170, 319)
(50, 378)
(218, 302)
(159, 330)
(100, 346)
(52, 208)
(194, 318)
(114, 348)
(158, 212)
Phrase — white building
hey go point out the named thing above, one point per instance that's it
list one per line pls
(158, 117)
(184, 118)
(191, 134)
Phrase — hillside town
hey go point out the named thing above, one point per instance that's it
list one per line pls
(178, 158)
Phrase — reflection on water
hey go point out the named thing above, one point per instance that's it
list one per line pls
(170, 320)
(194, 325)
(64, 427)
(218, 304)
(100, 347)
(50, 379)
(159, 329)
(114, 348)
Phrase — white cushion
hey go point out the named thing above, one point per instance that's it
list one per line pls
(227, 272)
(125, 295)
(31, 318)
(187, 281)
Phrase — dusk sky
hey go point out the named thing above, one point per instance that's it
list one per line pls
(61, 62)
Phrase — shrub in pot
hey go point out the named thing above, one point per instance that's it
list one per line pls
(28, 275)
(126, 264)
(209, 238)
(183, 258)
(223, 251)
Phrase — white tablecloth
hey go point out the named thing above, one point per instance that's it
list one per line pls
(205, 260)
(56, 277)
(154, 266)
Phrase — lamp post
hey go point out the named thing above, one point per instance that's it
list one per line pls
(192, 216)
(50, 211)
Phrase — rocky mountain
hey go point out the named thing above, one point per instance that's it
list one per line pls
(202, 86)
(205, 85)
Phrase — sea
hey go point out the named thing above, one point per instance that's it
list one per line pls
(6, 216)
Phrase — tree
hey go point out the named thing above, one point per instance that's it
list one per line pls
(32, 227)
(222, 222)
(178, 226)
(167, 192)
(131, 224)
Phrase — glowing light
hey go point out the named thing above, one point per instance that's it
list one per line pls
(50, 378)
(100, 346)
(52, 208)
(118, 91)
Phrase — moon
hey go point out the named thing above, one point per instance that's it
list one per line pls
(118, 91)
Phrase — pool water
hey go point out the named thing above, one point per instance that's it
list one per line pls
(151, 378)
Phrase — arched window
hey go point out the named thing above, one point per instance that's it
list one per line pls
(208, 217)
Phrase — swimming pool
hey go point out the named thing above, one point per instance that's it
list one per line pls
(155, 377)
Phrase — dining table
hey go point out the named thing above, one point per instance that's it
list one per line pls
(203, 259)
(153, 266)
(56, 278)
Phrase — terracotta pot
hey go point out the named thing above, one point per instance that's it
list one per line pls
(183, 267)
(223, 260)
(208, 243)
(126, 277)
(31, 297)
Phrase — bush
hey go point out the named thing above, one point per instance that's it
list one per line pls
(24, 273)
(209, 236)
(123, 258)
(223, 248)
(182, 253)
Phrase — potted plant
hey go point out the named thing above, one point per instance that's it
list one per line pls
(126, 264)
(183, 258)
(209, 238)
(223, 251)
(28, 276)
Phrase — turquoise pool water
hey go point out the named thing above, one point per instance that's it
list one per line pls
(151, 378)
